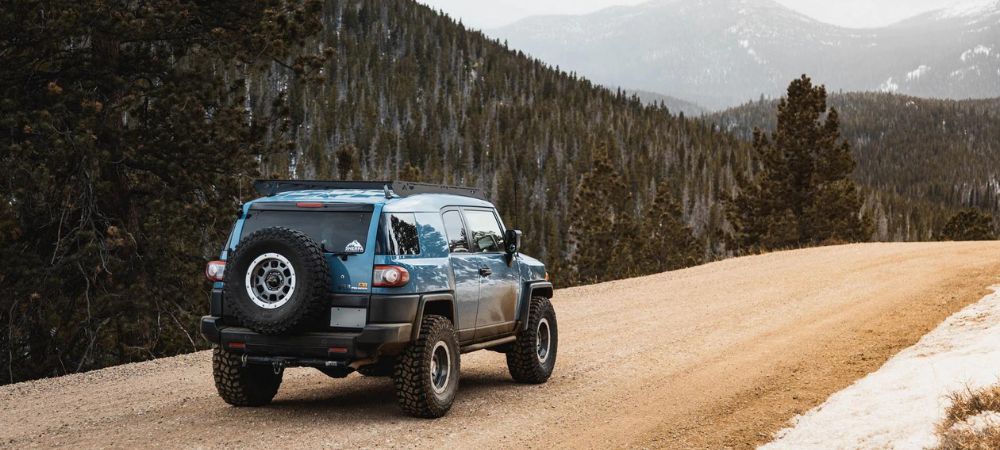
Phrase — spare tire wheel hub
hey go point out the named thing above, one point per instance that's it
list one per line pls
(270, 280)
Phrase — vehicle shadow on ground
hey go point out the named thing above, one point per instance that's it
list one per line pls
(362, 398)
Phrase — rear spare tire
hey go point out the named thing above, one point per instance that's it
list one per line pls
(276, 280)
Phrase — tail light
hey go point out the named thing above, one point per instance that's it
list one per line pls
(390, 276)
(215, 270)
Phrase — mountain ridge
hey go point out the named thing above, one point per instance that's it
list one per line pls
(721, 53)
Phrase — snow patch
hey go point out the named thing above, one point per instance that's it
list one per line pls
(978, 50)
(889, 86)
(744, 43)
(961, 73)
(979, 422)
(917, 73)
(899, 405)
(972, 8)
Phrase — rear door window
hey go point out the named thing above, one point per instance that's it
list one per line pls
(457, 236)
(397, 235)
(336, 231)
(485, 231)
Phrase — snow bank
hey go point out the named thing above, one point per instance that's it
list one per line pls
(979, 422)
(899, 405)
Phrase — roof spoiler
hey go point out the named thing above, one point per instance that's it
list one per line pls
(391, 188)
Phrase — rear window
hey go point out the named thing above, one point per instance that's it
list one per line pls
(397, 235)
(338, 232)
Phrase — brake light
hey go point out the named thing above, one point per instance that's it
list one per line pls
(215, 270)
(390, 276)
(309, 205)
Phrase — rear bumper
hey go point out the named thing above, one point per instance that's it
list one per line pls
(372, 341)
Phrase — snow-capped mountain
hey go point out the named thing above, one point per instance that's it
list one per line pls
(719, 53)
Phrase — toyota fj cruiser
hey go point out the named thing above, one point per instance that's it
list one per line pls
(384, 278)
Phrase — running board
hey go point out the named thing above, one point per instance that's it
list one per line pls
(488, 344)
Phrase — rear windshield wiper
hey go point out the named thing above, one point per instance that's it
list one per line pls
(342, 255)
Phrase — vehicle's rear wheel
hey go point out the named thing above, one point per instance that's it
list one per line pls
(239, 385)
(277, 280)
(532, 357)
(426, 375)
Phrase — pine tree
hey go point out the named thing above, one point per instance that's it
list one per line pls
(410, 172)
(600, 231)
(801, 193)
(668, 242)
(348, 163)
(969, 225)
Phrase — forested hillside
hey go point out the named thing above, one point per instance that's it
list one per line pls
(411, 94)
(921, 159)
(133, 131)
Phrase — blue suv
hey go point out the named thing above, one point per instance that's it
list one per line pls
(383, 278)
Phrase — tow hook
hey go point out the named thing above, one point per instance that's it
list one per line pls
(278, 366)
(243, 360)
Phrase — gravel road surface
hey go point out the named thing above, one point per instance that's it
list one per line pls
(720, 355)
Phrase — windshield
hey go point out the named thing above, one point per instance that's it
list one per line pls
(337, 232)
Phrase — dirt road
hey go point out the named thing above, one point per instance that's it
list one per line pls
(714, 356)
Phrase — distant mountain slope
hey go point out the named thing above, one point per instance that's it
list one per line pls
(674, 104)
(719, 53)
(921, 156)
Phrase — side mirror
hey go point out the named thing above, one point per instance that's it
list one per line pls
(512, 241)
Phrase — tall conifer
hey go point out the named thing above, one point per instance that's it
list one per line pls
(801, 193)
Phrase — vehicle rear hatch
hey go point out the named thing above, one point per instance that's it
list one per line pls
(345, 232)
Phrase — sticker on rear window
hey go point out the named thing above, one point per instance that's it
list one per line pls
(354, 247)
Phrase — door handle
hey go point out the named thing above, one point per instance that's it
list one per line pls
(485, 271)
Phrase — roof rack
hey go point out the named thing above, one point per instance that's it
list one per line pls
(397, 188)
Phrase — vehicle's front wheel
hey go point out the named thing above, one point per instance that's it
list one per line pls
(426, 374)
(239, 385)
(532, 356)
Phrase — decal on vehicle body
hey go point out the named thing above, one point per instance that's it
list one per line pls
(354, 247)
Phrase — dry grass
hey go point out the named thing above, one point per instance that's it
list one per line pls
(955, 433)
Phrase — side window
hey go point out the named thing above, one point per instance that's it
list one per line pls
(397, 235)
(486, 235)
(457, 237)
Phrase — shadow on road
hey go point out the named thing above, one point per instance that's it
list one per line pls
(358, 398)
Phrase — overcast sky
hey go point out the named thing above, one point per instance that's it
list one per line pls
(849, 13)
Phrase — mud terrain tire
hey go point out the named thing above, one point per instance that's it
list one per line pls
(252, 385)
(532, 357)
(277, 281)
(426, 375)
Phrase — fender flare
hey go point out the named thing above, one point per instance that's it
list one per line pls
(441, 297)
(531, 289)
